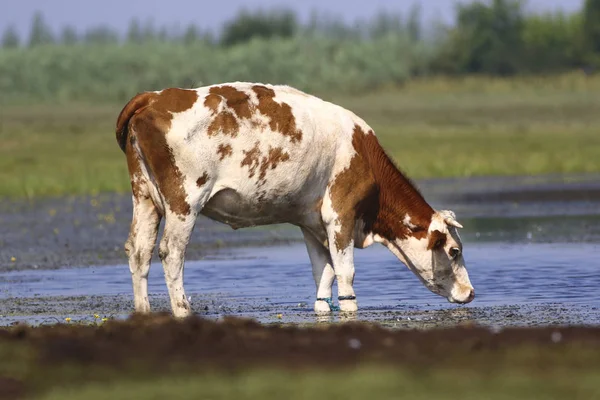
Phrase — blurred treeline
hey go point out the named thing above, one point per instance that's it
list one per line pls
(324, 54)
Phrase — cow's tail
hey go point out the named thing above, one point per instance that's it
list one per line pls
(135, 105)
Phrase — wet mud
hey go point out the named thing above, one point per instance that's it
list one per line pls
(233, 342)
(143, 347)
(94, 310)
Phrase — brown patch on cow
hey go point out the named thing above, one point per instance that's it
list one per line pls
(251, 159)
(398, 196)
(373, 189)
(224, 122)
(240, 105)
(174, 100)
(276, 155)
(237, 100)
(202, 180)
(212, 102)
(224, 150)
(151, 125)
(437, 239)
(354, 194)
(282, 119)
(135, 170)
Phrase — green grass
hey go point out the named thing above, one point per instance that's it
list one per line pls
(478, 126)
(433, 128)
(359, 384)
(50, 150)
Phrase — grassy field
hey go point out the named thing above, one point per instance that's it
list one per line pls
(363, 383)
(433, 128)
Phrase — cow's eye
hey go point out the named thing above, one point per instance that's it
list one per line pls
(454, 252)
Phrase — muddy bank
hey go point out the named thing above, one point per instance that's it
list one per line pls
(233, 340)
(83, 231)
(155, 340)
(40, 311)
(36, 360)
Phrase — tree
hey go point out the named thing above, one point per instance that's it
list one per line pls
(134, 34)
(385, 24)
(40, 31)
(191, 34)
(413, 24)
(245, 26)
(68, 36)
(149, 32)
(591, 25)
(552, 42)
(486, 39)
(10, 38)
(162, 35)
(101, 35)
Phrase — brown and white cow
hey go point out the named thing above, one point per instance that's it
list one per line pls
(250, 154)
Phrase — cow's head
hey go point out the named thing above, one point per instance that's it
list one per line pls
(436, 257)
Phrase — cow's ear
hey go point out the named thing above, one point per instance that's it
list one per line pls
(437, 240)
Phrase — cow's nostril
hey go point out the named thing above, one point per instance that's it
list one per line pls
(471, 296)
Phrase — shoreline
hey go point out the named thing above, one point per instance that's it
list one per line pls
(80, 231)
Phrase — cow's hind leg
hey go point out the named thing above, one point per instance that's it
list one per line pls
(140, 246)
(144, 229)
(323, 273)
(172, 247)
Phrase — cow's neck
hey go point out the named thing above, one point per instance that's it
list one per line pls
(401, 206)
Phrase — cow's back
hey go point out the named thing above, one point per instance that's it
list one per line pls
(264, 149)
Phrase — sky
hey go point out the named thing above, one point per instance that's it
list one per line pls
(83, 14)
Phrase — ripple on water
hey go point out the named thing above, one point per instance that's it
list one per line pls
(258, 282)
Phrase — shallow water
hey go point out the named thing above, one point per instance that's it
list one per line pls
(266, 281)
(532, 255)
(502, 273)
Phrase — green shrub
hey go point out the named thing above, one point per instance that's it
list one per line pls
(115, 73)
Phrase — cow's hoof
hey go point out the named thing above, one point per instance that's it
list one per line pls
(348, 305)
(142, 308)
(182, 311)
(322, 307)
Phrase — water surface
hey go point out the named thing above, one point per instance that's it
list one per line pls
(263, 282)
(531, 249)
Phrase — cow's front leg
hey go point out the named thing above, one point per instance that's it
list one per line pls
(341, 248)
(323, 273)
